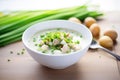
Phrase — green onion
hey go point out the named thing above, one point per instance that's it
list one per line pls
(11, 52)
(77, 42)
(8, 60)
(14, 24)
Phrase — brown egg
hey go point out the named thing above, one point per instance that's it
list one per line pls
(106, 42)
(95, 30)
(74, 19)
(89, 21)
(112, 34)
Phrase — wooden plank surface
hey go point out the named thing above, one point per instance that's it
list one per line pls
(94, 65)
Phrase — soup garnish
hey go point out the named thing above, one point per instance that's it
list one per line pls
(56, 41)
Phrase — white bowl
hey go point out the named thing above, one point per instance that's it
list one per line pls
(57, 61)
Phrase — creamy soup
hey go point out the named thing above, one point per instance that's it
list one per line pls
(57, 41)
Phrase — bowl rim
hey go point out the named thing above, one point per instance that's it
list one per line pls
(38, 52)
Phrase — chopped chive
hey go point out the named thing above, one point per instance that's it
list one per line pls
(81, 36)
(18, 53)
(11, 52)
(35, 44)
(68, 52)
(39, 45)
(23, 49)
(22, 52)
(43, 51)
(58, 28)
(52, 50)
(8, 60)
(68, 40)
(34, 39)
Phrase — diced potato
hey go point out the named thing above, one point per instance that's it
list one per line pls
(69, 36)
(65, 48)
(56, 42)
(44, 47)
(63, 42)
(71, 45)
(76, 47)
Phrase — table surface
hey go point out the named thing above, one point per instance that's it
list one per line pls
(94, 65)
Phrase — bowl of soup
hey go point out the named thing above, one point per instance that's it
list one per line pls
(57, 44)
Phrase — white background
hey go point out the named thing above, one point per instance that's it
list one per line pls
(13, 5)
